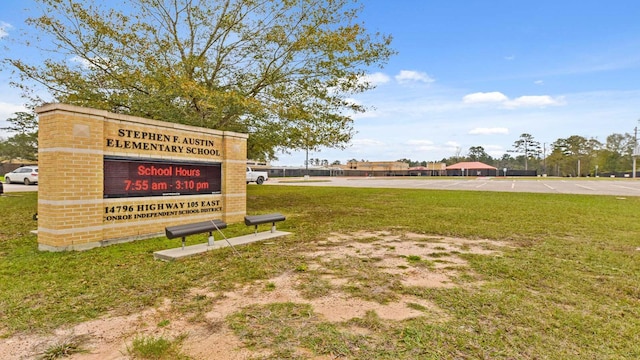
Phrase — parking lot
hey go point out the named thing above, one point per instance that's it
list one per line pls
(615, 187)
(9, 188)
(589, 186)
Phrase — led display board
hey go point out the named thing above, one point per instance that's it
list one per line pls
(127, 177)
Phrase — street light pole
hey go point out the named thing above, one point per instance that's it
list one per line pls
(544, 157)
(635, 150)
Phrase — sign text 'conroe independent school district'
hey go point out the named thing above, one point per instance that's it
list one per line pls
(126, 212)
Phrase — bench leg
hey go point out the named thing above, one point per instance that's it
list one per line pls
(273, 227)
(211, 240)
(256, 230)
(183, 240)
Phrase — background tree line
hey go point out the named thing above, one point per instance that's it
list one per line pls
(572, 156)
(23, 145)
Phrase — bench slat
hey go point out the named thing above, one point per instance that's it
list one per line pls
(194, 228)
(263, 219)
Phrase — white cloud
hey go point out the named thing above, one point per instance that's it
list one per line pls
(376, 79)
(422, 145)
(539, 82)
(494, 150)
(411, 76)
(366, 142)
(485, 97)
(534, 101)
(420, 142)
(489, 147)
(489, 131)
(7, 110)
(4, 29)
(510, 57)
(368, 114)
(83, 62)
(522, 101)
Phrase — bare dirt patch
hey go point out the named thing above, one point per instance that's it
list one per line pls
(414, 260)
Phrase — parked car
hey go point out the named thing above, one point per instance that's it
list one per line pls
(256, 176)
(26, 174)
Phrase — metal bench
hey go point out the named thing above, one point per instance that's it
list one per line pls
(185, 230)
(255, 220)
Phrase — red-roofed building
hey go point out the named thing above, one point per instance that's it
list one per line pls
(471, 168)
(432, 169)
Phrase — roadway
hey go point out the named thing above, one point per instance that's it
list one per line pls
(586, 186)
(9, 188)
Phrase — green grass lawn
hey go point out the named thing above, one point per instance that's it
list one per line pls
(567, 286)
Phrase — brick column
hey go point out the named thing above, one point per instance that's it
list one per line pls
(234, 187)
(70, 177)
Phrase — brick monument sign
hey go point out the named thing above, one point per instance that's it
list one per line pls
(106, 178)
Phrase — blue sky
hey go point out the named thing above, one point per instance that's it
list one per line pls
(473, 73)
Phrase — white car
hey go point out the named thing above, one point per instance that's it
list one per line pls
(26, 174)
(256, 176)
